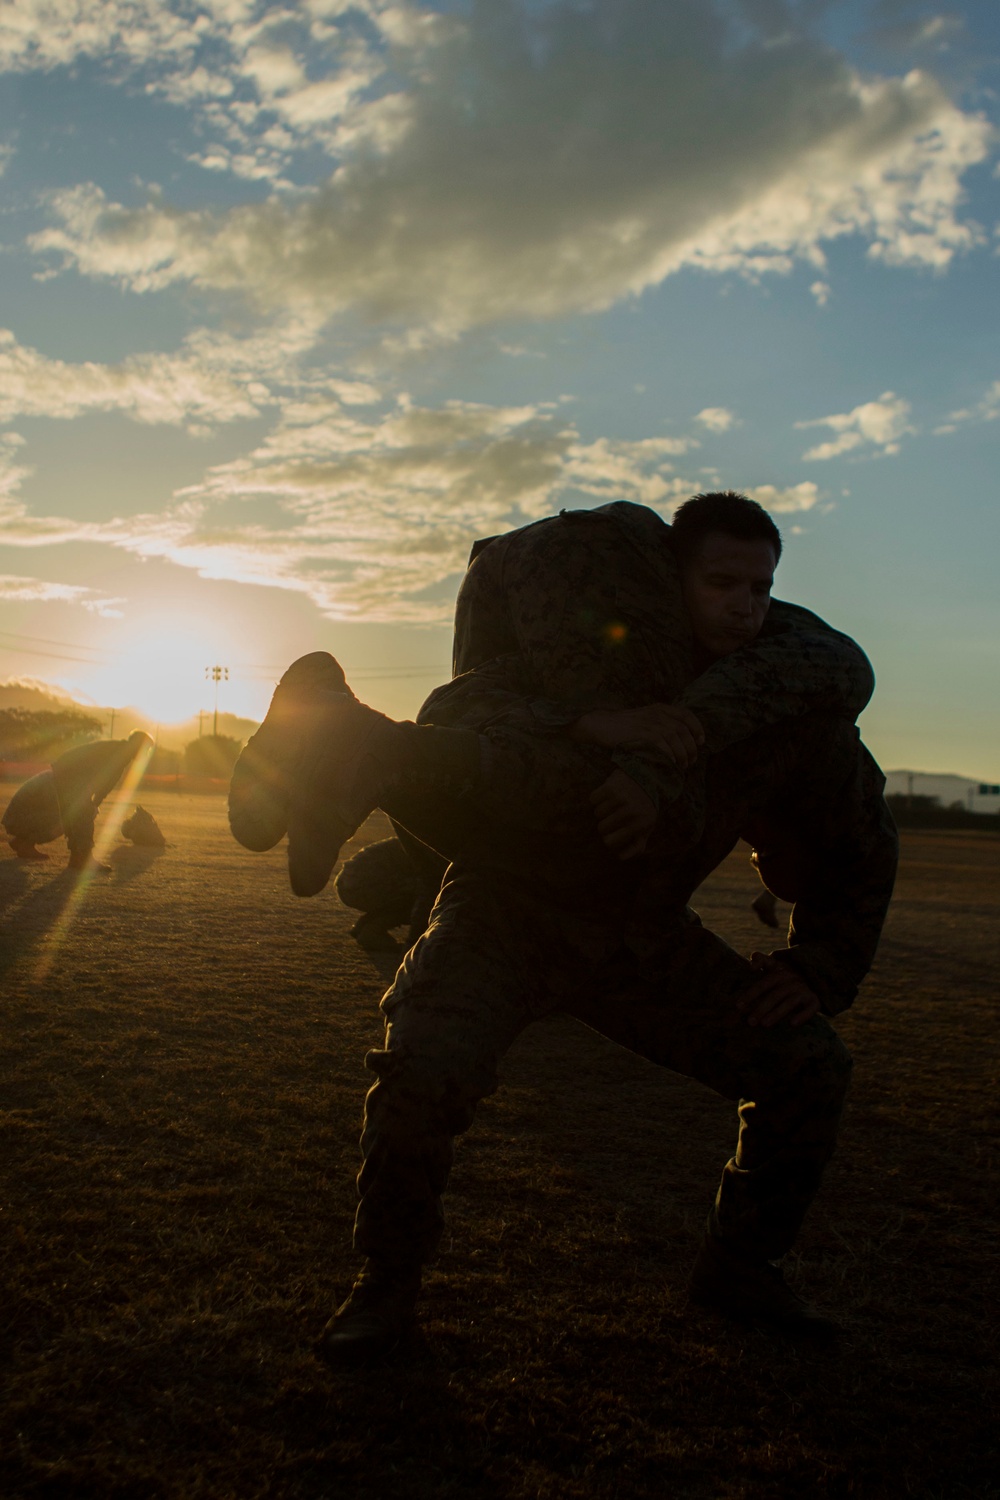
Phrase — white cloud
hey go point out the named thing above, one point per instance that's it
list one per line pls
(518, 160)
(46, 34)
(12, 473)
(214, 378)
(985, 410)
(821, 291)
(796, 497)
(879, 424)
(150, 388)
(933, 32)
(717, 418)
(20, 590)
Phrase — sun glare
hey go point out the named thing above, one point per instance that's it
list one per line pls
(161, 672)
(107, 834)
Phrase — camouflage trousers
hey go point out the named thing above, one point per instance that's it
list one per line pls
(33, 812)
(51, 804)
(491, 963)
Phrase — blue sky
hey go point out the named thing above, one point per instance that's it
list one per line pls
(299, 300)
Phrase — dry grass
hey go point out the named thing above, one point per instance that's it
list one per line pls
(182, 1078)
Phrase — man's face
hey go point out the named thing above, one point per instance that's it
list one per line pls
(727, 590)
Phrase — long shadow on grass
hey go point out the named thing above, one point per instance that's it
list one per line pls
(404, 1425)
(13, 879)
(30, 922)
(128, 861)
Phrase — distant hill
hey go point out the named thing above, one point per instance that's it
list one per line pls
(28, 692)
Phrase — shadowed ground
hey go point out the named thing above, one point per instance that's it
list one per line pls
(181, 1088)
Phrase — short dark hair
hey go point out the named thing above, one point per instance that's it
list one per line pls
(722, 510)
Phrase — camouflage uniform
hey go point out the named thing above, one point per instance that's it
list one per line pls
(512, 940)
(66, 798)
(645, 973)
(387, 887)
(584, 610)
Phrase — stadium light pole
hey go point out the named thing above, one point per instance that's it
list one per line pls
(216, 675)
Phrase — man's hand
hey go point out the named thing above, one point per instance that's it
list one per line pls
(669, 728)
(625, 815)
(778, 995)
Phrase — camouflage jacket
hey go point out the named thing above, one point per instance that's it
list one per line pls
(809, 803)
(584, 610)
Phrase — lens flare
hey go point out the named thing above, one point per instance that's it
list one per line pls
(118, 804)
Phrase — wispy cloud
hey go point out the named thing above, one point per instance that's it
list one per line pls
(13, 471)
(214, 378)
(985, 410)
(371, 512)
(795, 497)
(877, 424)
(38, 590)
(717, 418)
(934, 33)
(515, 161)
(372, 517)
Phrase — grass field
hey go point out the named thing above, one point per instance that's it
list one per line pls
(182, 1076)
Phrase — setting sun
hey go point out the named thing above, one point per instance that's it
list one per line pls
(161, 671)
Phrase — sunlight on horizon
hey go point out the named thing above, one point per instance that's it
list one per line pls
(161, 671)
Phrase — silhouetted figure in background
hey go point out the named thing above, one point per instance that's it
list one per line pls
(65, 799)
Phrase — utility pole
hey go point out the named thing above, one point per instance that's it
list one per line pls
(216, 675)
(201, 716)
(111, 731)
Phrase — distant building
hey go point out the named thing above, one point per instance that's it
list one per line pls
(976, 796)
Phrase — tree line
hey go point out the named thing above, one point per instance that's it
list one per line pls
(43, 734)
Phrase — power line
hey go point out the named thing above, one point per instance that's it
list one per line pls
(75, 645)
(87, 661)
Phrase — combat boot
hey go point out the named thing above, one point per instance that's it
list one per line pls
(753, 1291)
(265, 774)
(374, 1318)
(322, 760)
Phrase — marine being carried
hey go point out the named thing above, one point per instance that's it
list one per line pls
(628, 704)
(64, 799)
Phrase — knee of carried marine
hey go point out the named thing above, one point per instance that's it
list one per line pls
(382, 882)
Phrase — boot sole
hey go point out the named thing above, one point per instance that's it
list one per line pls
(264, 775)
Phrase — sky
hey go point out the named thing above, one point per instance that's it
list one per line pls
(296, 301)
